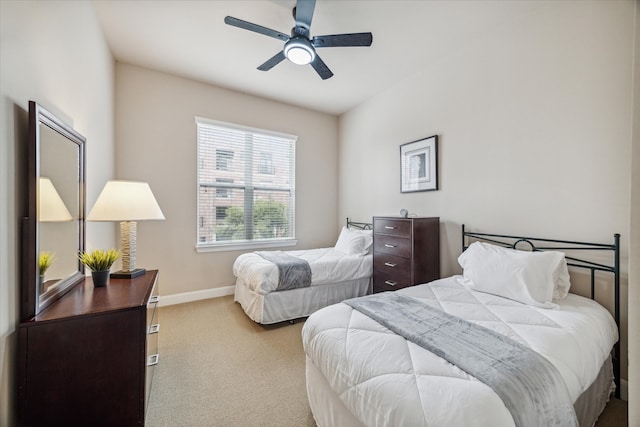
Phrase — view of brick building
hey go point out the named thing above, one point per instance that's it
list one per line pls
(245, 186)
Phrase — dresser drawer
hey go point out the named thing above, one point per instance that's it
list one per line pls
(153, 330)
(390, 282)
(152, 305)
(392, 245)
(152, 359)
(390, 264)
(392, 227)
(152, 317)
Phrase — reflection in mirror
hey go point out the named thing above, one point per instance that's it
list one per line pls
(51, 209)
(58, 234)
(54, 226)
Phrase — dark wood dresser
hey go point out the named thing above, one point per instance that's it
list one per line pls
(88, 359)
(406, 252)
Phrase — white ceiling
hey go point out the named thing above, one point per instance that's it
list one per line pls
(190, 39)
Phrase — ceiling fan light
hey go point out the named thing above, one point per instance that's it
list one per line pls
(298, 52)
(299, 56)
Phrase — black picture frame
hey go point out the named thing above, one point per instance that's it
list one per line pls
(419, 165)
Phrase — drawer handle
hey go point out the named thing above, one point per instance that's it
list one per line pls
(153, 359)
(388, 227)
(390, 264)
(154, 329)
(154, 299)
(390, 282)
(386, 245)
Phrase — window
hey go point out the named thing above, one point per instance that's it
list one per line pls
(223, 192)
(240, 206)
(221, 213)
(266, 164)
(224, 160)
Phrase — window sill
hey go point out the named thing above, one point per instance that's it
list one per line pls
(241, 246)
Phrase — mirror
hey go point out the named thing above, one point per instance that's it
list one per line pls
(54, 229)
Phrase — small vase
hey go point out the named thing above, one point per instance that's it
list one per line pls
(100, 278)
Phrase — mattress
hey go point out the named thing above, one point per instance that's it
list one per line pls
(292, 304)
(382, 379)
(328, 265)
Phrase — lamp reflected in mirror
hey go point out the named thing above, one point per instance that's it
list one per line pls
(51, 208)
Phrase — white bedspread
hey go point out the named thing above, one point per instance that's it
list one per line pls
(385, 380)
(327, 266)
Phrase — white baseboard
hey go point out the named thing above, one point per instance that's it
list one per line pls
(624, 390)
(195, 295)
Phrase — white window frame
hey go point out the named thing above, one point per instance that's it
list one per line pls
(244, 244)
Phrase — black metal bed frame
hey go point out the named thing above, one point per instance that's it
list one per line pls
(567, 245)
(359, 225)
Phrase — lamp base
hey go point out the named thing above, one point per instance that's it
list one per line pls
(128, 274)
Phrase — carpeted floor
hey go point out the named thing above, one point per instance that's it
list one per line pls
(219, 368)
(614, 415)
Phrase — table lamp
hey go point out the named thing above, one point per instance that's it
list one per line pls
(127, 202)
(51, 208)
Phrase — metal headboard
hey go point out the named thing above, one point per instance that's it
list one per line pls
(539, 244)
(359, 225)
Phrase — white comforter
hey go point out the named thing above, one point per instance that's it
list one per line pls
(327, 266)
(384, 380)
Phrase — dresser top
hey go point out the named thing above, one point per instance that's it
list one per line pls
(407, 218)
(86, 299)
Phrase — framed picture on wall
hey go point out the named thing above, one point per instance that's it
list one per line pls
(419, 165)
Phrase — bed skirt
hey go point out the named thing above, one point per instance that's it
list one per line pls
(592, 401)
(296, 303)
(328, 409)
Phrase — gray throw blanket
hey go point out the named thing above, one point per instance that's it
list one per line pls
(293, 272)
(528, 384)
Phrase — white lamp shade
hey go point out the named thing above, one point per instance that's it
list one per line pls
(51, 208)
(125, 201)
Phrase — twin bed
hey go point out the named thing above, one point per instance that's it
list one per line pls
(404, 368)
(334, 274)
(503, 344)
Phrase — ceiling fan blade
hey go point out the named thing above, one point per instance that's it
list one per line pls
(321, 68)
(337, 40)
(272, 62)
(230, 20)
(303, 14)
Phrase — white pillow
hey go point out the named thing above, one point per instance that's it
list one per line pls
(533, 278)
(561, 279)
(368, 237)
(354, 242)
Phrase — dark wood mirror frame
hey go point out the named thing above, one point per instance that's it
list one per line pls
(33, 298)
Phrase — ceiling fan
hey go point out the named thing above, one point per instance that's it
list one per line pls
(299, 48)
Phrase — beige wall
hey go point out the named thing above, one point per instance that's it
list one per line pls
(55, 54)
(156, 142)
(634, 250)
(534, 120)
